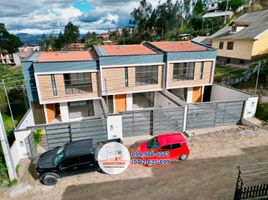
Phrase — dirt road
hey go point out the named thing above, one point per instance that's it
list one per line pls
(210, 173)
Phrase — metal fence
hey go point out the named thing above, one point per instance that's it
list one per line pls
(213, 114)
(152, 121)
(31, 146)
(59, 134)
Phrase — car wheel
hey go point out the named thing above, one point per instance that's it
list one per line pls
(49, 179)
(183, 157)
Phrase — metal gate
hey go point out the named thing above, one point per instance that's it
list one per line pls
(59, 134)
(152, 121)
(213, 114)
(30, 146)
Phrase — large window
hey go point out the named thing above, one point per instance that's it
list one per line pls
(183, 71)
(81, 109)
(221, 44)
(230, 45)
(53, 83)
(77, 83)
(146, 75)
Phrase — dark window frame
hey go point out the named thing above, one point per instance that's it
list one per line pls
(201, 70)
(146, 75)
(187, 69)
(221, 45)
(54, 85)
(89, 104)
(126, 76)
(80, 84)
(230, 46)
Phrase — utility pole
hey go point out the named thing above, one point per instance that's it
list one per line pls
(226, 8)
(6, 151)
(257, 79)
(10, 110)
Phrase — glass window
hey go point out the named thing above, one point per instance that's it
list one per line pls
(167, 147)
(180, 92)
(183, 71)
(126, 76)
(221, 44)
(153, 143)
(69, 162)
(86, 158)
(77, 83)
(176, 146)
(81, 109)
(201, 70)
(53, 83)
(146, 75)
(230, 45)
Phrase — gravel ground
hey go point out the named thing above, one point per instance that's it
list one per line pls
(208, 174)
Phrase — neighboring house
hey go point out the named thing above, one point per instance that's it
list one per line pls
(10, 59)
(25, 51)
(244, 40)
(213, 10)
(75, 85)
(77, 46)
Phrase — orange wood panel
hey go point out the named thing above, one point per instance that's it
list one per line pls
(197, 94)
(50, 112)
(120, 103)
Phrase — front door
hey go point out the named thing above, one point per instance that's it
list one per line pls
(50, 110)
(197, 94)
(120, 103)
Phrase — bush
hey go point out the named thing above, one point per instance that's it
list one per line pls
(37, 135)
(262, 111)
(3, 171)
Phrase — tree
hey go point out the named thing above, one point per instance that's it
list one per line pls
(58, 42)
(71, 33)
(235, 4)
(9, 43)
(198, 8)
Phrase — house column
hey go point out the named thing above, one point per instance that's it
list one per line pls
(64, 112)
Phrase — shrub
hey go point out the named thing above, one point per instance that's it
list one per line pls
(37, 135)
(262, 111)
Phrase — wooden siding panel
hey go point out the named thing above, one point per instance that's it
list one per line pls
(115, 79)
(197, 94)
(46, 93)
(208, 65)
(120, 103)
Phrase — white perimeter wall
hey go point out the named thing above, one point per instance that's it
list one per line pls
(222, 93)
(114, 126)
(27, 120)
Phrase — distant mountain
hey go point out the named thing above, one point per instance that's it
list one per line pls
(29, 39)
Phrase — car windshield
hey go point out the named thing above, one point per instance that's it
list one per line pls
(59, 155)
(153, 144)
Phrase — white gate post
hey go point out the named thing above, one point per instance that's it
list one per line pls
(185, 118)
(6, 150)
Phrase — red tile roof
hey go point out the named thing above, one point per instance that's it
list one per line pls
(54, 56)
(174, 46)
(133, 49)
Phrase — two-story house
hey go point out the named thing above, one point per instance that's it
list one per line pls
(244, 40)
(67, 86)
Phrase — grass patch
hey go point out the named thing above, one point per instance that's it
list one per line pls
(262, 111)
(12, 183)
(37, 135)
(222, 71)
(8, 123)
(3, 171)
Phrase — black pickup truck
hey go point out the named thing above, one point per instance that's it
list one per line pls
(70, 159)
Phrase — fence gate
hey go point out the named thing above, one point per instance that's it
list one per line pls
(213, 114)
(152, 121)
(30, 146)
(59, 134)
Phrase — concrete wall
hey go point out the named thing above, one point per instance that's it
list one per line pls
(46, 93)
(242, 49)
(250, 107)
(221, 93)
(114, 126)
(20, 137)
(64, 112)
(259, 47)
(115, 79)
(161, 101)
(129, 101)
(15, 153)
(189, 95)
(27, 120)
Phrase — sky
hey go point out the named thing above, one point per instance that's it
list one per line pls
(47, 16)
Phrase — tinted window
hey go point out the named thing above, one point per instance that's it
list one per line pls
(69, 162)
(230, 45)
(176, 146)
(167, 147)
(221, 45)
(86, 158)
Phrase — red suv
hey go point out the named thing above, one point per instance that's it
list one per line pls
(173, 143)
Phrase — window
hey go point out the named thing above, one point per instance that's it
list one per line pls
(230, 45)
(183, 71)
(53, 83)
(176, 146)
(180, 92)
(241, 61)
(146, 75)
(228, 60)
(221, 44)
(201, 70)
(81, 109)
(167, 147)
(69, 162)
(234, 28)
(126, 76)
(86, 158)
(77, 83)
